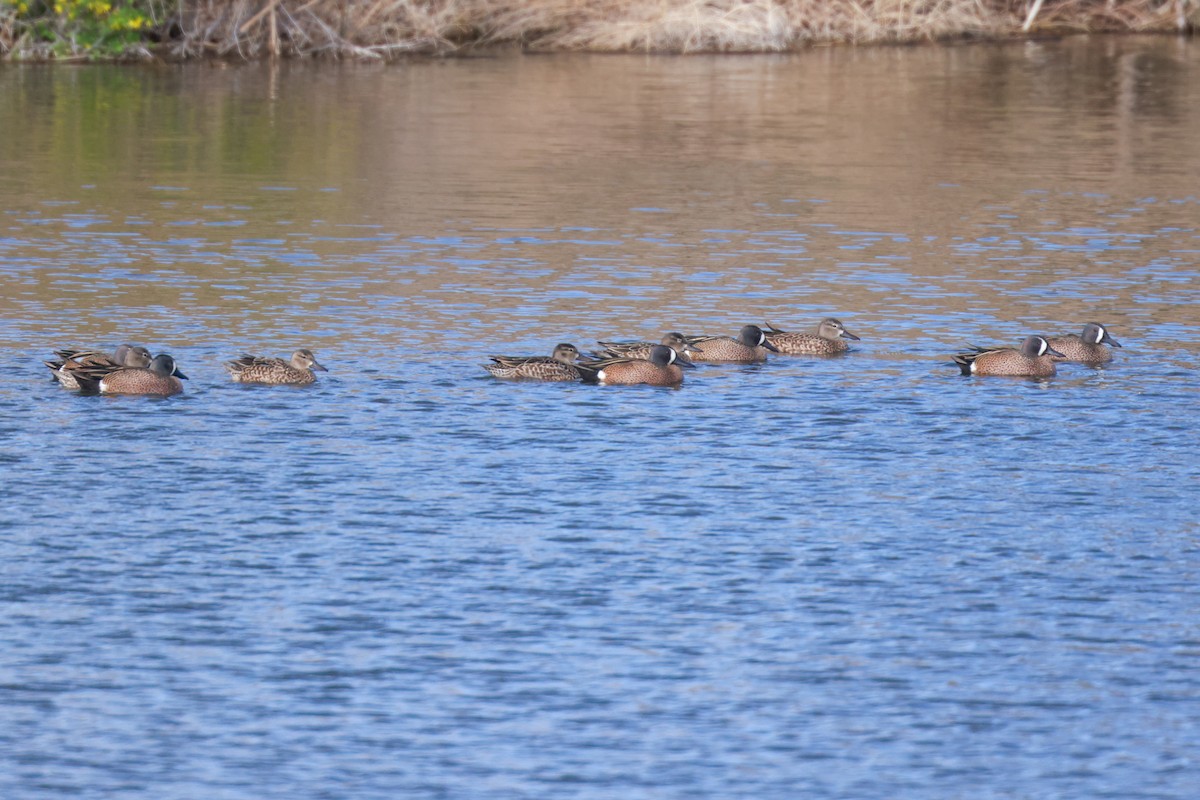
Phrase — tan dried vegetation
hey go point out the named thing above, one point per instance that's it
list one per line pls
(386, 28)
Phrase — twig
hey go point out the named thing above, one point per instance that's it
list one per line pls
(1033, 12)
(267, 9)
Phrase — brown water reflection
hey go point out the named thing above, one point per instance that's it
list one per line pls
(1019, 183)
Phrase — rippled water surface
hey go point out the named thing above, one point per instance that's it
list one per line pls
(864, 576)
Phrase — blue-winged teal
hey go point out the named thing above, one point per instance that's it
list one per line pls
(162, 377)
(126, 356)
(276, 371)
(674, 340)
(1034, 358)
(559, 366)
(1088, 347)
(662, 368)
(828, 340)
(750, 346)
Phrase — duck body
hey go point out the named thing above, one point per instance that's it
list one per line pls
(1033, 359)
(1088, 347)
(299, 371)
(161, 378)
(829, 339)
(662, 368)
(749, 347)
(557, 367)
(674, 340)
(126, 355)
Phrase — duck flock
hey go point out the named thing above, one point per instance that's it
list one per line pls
(132, 369)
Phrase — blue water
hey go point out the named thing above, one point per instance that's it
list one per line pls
(861, 577)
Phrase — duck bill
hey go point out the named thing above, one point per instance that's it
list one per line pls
(1050, 351)
(769, 346)
(684, 361)
(318, 367)
(179, 374)
(848, 335)
(1111, 341)
(691, 348)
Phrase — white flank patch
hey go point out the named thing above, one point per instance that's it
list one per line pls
(600, 376)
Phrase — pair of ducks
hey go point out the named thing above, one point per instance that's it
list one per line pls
(1037, 355)
(660, 364)
(132, 370)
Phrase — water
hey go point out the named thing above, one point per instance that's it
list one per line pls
(854, 577)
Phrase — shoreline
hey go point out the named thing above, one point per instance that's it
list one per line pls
(148, 30)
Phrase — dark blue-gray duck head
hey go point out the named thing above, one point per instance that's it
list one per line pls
(1036, 346)
(1094, 333)
(665, 356)
(165, 365)
(753, 336)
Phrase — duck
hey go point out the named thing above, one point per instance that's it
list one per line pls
(126, 355)
(1088, 347)
(662, 368)
(1034, 358)
(299, 371)
(559, 366)
(162, 377)
(830, 339)
(674, 340)
(750, 347)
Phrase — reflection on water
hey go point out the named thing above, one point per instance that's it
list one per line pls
(812, 577)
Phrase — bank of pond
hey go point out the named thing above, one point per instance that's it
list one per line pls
(132, 369)
(364, 29)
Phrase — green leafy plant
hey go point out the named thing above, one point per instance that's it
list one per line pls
(79, 28)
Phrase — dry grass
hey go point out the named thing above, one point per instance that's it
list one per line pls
(739, 25)
(383, 28)
(378, 28)
(359, 28)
